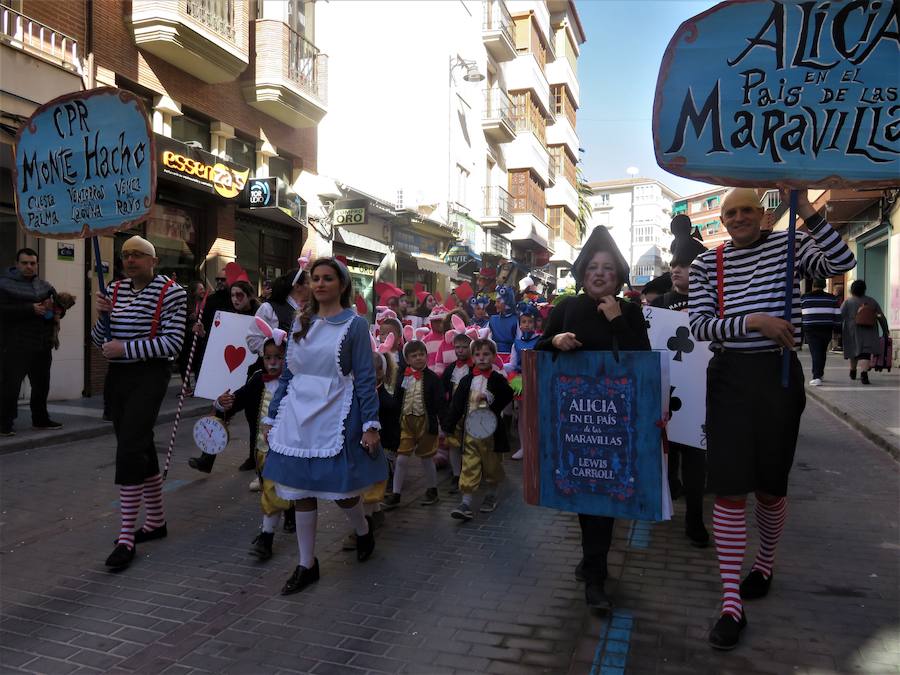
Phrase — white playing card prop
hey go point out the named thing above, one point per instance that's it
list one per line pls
(227, 358)
(688, 359)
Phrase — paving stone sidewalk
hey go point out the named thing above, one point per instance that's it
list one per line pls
(496, 595)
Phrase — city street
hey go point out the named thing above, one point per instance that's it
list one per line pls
(494, 595)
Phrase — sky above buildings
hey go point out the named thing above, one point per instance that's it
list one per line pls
(617, 73)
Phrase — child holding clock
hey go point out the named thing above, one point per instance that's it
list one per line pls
(481, 394)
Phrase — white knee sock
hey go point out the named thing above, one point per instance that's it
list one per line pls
(270, 523)
(306, 536)
(467, 500)
(369, 509)
(456, 461)
(357, 517)
(430, 472)
(400, 472)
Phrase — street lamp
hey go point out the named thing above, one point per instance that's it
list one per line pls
(472, 75)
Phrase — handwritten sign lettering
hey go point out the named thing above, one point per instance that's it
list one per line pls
(84, 165)
(754, 92)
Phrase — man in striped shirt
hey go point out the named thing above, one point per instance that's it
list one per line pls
(146, 314)
(752, 422)
(821, 317)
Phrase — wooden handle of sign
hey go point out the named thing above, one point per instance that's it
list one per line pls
(98, 264)
(789, 285)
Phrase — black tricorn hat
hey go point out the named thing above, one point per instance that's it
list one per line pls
(661, 284)
(599, 240)
(686, 245)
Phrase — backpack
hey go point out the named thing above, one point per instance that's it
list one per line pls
(865, 315)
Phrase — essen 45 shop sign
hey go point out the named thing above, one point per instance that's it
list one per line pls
(199, 169)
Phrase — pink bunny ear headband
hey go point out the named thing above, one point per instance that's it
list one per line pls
(385, 346)
(302, 263)
(276, 335)
(459, 328)
(382, 313)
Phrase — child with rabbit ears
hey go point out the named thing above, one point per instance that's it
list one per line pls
(460, 337)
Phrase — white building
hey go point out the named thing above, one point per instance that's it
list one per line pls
(637, 211)
(463, 112)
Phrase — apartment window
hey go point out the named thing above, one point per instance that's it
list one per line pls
(296, 10)
(241, 152)
(528, 115)
(215, 14)
(711, 202)
(462, 185)
(187, 129)
(528, 39)
(283, 168)
(563, 104)
(527, 194)
(604, 199)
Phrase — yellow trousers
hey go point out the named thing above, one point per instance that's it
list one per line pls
(414, 436)
(479, 461)
(271, 503)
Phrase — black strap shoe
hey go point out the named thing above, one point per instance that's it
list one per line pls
(262, 545)
(595, 596)
(121, 557)
(365, 543)
(726, 634)
(301, 578)
(161, 532)
(755, 585)
(249, 464)
(202, 463)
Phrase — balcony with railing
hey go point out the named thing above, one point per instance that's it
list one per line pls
(34, 38)
(498, 31)
(207, 38)
(497, 215)
(497, 120)
(294, 87)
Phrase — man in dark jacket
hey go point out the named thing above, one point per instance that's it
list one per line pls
(26, 335)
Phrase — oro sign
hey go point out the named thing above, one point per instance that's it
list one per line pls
(351, 212)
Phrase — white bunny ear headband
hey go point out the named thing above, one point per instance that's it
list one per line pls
(385, 346)
(302, 263)
(276, 335)
(382, 313)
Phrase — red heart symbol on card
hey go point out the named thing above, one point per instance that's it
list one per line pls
(217, 322)
(234, 356)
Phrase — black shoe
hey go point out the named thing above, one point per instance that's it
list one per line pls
(697, 533)
(864, 377)
(726, 633)
(852, 374)
(202, 463)
(121, 557)
(579, 571)
(755, 585)
(431, 497)
(290, 521)
(596, 597)
(47, 424)
(161, 532)
(365, 543)
(262, 545)
(391, 501)
(7, 431)
(301, 578)
(377, 519)
(248, 465)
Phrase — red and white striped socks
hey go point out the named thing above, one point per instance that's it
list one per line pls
(129, 505)
(770, 519)
(730, 532)
(154, 516)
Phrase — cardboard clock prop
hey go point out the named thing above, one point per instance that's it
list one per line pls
(592, 438)
(211, 435)
(481, 423)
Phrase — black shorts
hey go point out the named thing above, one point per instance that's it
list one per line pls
(135, 392)
(865, 356)
(752, 422)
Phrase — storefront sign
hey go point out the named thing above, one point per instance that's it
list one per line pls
(415, 243)
(351, 212)
(65, 250)
(594, 444)
(262, 192)
(758, 92)
(199, 169)
(84, 165)
(458, 256)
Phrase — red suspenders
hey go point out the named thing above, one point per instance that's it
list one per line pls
(154, 323)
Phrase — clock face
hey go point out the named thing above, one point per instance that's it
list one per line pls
(210, 435)
(481, 423)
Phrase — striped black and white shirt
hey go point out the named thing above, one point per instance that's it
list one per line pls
(132, 317)
(820, 310)
(754, 281)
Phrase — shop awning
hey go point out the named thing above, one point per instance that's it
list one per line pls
(431, 265)
(360, 241)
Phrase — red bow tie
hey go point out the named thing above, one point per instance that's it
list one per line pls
(415, 373)
(269, 377)
(486, 372)
(462, 362)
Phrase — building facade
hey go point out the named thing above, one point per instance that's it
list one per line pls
(637, 212)
(470, 139)
(238, 85)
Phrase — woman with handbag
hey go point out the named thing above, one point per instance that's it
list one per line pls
(860, 317)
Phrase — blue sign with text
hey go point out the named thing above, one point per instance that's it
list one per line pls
(84, 165)
(594, 442)
(759, 92)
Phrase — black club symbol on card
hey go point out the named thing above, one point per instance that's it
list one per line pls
(681, 342)
(674, 402)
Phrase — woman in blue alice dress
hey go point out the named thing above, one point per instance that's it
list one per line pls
(324, 439)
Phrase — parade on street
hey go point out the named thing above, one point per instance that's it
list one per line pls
(351, 337)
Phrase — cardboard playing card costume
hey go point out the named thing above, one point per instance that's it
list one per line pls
(227, 358)
(670, 333)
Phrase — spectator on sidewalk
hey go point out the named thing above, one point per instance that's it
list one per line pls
(26, 341)
(146, 314)
(752, 421)
(861, 316)
(821, 317)
(195, 300)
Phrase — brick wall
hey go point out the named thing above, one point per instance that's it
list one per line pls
(114, 49)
